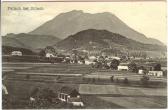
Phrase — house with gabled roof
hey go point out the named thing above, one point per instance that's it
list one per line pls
(70, 95)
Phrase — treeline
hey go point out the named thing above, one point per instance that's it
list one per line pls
(6, 50)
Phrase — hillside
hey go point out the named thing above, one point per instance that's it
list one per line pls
(28, 41)
(69, 23)
(6, 50)
(100, 40)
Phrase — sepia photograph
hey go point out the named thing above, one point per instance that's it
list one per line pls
(84, 55)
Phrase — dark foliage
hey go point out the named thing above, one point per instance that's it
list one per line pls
(157, 67)
(125, 81)
(145, 80)
(114, 64)
(6, 50)
(133, 67)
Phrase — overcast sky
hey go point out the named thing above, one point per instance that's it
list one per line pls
(148, 18)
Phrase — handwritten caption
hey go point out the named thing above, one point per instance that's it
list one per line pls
(24, 8)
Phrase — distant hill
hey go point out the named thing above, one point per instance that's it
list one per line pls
(29, 41)
(102, 40)
(69, 23)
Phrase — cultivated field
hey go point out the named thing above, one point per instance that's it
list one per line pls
(21, 78)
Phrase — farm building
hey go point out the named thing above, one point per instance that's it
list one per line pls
(70, 95)
(123, 66)
(16, 53)
(156, 73)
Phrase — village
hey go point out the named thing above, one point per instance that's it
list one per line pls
(63, 81)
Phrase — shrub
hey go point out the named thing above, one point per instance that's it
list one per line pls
(145, 80)
(27, 76)
(112, 78)
(117, 80)
(114, 64)
(125, 81)
(93, 80)
(133, 67)
(157, 67)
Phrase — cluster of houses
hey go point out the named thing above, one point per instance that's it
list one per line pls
(92, 60)
(148, 70)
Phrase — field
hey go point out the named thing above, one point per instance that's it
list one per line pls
(95, 86)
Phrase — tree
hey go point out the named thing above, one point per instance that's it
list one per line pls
(145, 80)
(133, 67)
(114, 64)
(42, 53)
(50, 49)
(125, 81)
(157, 67)
(112, 78)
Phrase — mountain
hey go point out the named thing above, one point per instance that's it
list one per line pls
(29, 41)
(69, 23)
(101, 40)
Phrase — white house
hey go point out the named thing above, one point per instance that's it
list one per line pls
(71, 96)
(48, 55)
(16, 53)
(155, 73)
(123, 66)
(89, 62)
(4, 90)
(117, 58)
(140, 71)
(92, 57)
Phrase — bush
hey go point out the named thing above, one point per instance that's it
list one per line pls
(145, 80)
(133, 67)
(125, 81)
(93, 80)
(114, 64)
(117, 80)
(27, 76)
(157, 67)
(112, 78)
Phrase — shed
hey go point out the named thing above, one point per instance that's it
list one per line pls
(70, 95)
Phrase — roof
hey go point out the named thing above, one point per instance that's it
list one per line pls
(16, 52)
(123, 64)
(71, 91)
(74, 100)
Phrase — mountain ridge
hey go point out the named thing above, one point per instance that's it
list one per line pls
(69, 23)
(93, 39)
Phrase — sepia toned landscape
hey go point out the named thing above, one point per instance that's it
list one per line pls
(81, 60)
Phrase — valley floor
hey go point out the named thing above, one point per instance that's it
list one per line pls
(103, 95)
